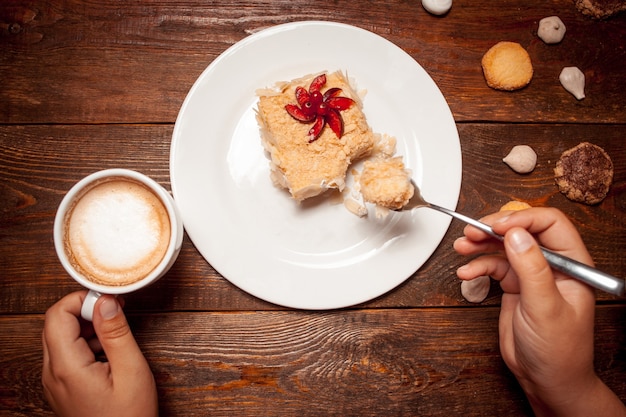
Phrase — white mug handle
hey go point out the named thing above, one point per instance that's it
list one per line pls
(89, 304)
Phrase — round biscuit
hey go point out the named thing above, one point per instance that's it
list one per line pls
(584, 173)
(507, 66)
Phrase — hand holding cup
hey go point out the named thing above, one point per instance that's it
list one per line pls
(116, 231)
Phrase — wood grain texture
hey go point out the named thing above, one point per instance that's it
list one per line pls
(40, 163)
(89, 85)
(399, 362)
(76, 62)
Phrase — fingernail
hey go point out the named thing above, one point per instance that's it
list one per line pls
(502, 219)
(109, 308)
(520, 241)
(463, 268)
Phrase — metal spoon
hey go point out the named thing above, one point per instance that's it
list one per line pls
(569, 266)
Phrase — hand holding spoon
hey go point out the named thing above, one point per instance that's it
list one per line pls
(571, 267)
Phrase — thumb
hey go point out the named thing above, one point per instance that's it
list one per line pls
(538, 289)
(115, 336)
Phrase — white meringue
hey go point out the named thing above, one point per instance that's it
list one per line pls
(573, 80)
(477, 289)
(522, 159)
(551, 29)
(437, 7)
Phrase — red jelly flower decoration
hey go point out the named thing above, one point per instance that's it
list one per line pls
(319, 109)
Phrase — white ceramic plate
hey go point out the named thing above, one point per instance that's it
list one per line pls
(316, 255)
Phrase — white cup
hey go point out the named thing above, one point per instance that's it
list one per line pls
(126, 233)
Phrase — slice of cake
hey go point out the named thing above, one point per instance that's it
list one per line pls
(313, 129)
(386, 183)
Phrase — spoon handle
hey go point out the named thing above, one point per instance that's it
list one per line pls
(584, 273)
(569, 266)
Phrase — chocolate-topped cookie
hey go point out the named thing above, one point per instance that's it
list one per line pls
(584, 173)
(600, 9)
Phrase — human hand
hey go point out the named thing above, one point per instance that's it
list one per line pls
(77, 384)
(546, 318)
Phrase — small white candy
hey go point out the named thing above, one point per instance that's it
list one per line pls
(522, 159)
(477, 289)
(551, 29)
(437, 7)
(573, 80)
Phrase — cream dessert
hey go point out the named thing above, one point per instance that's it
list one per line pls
(386, 183)
(313, 128)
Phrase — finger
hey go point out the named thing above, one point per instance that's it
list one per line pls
(495, 266)
(116, 339)
(89, 334)
(465, 246)
(553, 229)
(63, 344)
(538, 287)
(475, 234)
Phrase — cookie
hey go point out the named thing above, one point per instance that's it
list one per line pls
(507, 66)
(600, 9)
(584, 173)
(515, 205)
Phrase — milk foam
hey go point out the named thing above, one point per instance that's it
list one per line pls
(117, 232)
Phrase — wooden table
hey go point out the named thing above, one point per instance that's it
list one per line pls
(88, 86)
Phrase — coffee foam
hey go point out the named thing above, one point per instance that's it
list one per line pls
(117, 232)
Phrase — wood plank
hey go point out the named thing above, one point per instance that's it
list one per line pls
(69, 63)
(89, 86)
(410, 362)
(40, 163)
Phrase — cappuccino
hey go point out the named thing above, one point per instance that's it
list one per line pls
(116, 232)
